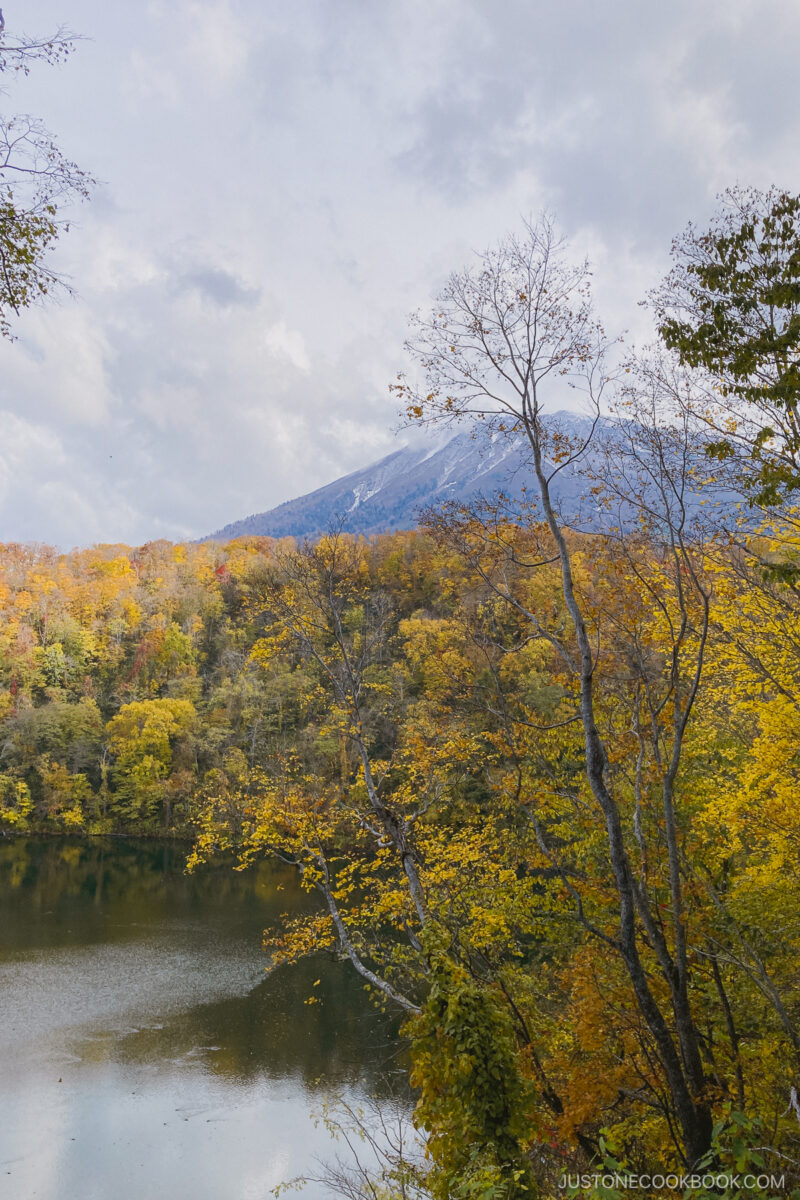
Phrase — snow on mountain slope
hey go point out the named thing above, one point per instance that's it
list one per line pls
(391, 494)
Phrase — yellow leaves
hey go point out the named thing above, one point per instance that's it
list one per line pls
(392, 904)
(16, 805)
(72, 819)
(118, 567)
(435, 649)
(598, 1051)
(149, 725)
(268, 648)
(24, 601)
(758, 819)
(296, 937)
(487, 927)
(131, 613)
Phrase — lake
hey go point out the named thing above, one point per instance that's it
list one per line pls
(145, 1054)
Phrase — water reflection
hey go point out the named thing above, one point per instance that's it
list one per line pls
(134, 1009)
(271, 1031)
(63, 892)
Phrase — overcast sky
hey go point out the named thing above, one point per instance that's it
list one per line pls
(284, 181)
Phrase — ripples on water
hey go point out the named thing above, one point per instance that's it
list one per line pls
(144, 1053)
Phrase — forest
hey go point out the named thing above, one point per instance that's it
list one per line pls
(541, 777)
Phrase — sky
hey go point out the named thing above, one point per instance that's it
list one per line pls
(282, 183)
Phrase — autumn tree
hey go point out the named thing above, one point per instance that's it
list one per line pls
(504, 338)
(145, 738)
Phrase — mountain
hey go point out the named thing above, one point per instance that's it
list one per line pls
(390, 494)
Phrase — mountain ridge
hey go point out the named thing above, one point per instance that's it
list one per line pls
(390, 494)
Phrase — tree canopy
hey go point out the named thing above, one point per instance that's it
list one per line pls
(731, 306)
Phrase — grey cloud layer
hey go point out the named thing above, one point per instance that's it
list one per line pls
(284, 182)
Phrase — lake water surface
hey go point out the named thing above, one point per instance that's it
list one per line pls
(144, 1052)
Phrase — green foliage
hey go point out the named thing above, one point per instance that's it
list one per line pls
(70, 733)
(36, 181)
(53, 751)
(731, 306)
(740, 1148)
(25, 239)
(474, 1103)
(739, 1165)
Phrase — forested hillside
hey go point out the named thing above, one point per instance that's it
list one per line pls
(126, 679)
(276, 700)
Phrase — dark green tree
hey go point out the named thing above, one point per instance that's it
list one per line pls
(473, 1101)
(730, 307)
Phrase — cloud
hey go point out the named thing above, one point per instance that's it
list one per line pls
(59, 367)
(285, 182)
(219, 286)
(288, 344)
(49, 497)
